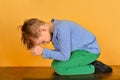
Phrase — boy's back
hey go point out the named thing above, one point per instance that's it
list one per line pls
(80, 38)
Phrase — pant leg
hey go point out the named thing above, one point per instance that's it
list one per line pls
(79, 63)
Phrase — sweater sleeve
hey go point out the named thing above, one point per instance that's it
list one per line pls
(64, 44)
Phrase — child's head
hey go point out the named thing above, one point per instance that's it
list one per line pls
(35, 32)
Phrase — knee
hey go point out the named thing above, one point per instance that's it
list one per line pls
(57, 67)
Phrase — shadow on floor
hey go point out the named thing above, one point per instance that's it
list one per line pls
(79, 77)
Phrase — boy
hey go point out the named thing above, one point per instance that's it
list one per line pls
(76, 49)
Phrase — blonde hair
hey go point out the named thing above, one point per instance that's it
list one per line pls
(29, 29)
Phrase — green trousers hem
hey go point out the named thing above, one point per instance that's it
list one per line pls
(78, 64)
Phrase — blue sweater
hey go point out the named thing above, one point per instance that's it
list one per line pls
(67, 37)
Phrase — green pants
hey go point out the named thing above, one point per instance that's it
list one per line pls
(78, 64)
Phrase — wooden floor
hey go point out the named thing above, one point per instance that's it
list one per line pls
(46, 73)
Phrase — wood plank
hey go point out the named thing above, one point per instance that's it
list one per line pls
(46, 73)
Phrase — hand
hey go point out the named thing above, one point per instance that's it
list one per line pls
(36, 50)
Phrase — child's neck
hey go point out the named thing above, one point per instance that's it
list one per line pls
(51, 26)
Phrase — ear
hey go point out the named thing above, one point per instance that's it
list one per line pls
(41, 29)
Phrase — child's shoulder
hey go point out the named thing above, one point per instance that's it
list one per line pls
(66, 24)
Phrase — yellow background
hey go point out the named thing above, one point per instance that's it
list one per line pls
(102, 17)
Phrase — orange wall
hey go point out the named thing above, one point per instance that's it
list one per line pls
(102, 17)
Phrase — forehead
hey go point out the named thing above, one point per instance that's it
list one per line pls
(35, 40)
(32, 38)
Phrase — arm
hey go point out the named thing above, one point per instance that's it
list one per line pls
(64, 39)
